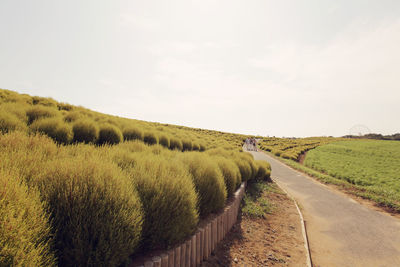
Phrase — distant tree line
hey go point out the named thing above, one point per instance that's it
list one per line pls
(395, 137)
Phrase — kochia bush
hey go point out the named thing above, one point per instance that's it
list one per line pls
(230, 172)
(175, 143)
(37, 112)
(208, 180)
(133, 134)
(109, 134)
(169, 200)
(85, 131)
(95, 210)
(55, 128)
(264, 170)
(187, 145)
(164, 141)
(25, 238)
(10, 122)
(150, 138)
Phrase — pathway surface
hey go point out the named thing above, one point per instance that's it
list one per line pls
(341, 231)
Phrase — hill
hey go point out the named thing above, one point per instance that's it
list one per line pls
(79, 187)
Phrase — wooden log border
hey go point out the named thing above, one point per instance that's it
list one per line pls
(193, 251)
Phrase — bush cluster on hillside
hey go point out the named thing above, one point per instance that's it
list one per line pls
(78, 193)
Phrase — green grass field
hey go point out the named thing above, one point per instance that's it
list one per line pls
(372, 166)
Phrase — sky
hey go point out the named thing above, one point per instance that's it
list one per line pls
(271, 68)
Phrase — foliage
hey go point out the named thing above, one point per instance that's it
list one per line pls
(10, 122)
(109, 134)
(264, 170)
(292, 148)
(54, 128)
(25, 238)
(73, 116)
(94, 208)
(187, 144)
(150, 138)
(37, 112)
(133, 134)
(105, 202)
(230, 172)
(208, 180)
(85, 131)
(175, 143)
(255, 202)
(169, 200)
(164, 140)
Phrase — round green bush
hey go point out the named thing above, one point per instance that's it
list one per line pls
(175, 143)
(55, 128)
(187, 145)
(150, 138)
(95, 210)
(196, 147)
(25, 237)
(169, 200)
(264, 170)
(85, 131)
(230, 172)
(208, 180)
(244, 168)
(17, 109)
(202, 147)
(37, 112)
(164, 141)
(73, 116)
(133, 134)
(109, 134)
(9, 122)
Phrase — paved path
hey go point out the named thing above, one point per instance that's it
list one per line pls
(341, 231)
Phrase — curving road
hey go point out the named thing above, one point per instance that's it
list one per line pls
(341, 231)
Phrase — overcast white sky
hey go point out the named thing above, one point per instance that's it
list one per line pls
(283, 68)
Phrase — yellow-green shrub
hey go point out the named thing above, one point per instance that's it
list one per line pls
(169, 200)
(95, 211)
(195, 146)
(175, 143)
(54, 128)
(73, 116)
(109, 134)
(9, 122)
(25, 238)
(230, 172)
(17, 109)
(37, 112)
(45, 101)
(187, 144)
(208, 180)
(133, 134)
(164, 141)
(202, 147)
(150, 138)
(244, 167)
(85, 131)
(264, 170)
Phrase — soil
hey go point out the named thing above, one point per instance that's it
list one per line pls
(302, 157)
(272, 241)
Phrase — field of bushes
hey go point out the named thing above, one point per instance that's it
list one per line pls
(82, 188)
(372, 166)
(292, 148)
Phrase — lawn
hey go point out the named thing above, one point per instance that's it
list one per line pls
(372, 166)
